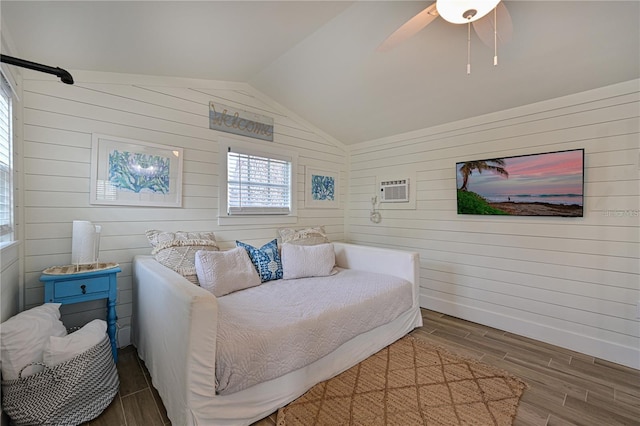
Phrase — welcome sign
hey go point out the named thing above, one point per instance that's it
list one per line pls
(227, 119)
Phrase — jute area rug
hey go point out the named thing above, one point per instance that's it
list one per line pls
(409, 383)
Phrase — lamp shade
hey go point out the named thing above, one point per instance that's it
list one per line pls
(464, 11)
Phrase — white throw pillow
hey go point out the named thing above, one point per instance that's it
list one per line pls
(60, 349)
(305, 237)
(300, 261)
(223, 272)
(23, 337)
(177, 250)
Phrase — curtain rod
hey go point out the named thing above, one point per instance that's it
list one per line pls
(64, 75)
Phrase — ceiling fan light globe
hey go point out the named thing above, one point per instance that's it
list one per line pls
(460, 11)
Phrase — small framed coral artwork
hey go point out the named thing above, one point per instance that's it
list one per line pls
(321, 188)
(135, 173)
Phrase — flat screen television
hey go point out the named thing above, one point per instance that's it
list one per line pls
(546, 184)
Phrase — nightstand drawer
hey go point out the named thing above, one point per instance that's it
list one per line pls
(80, 287)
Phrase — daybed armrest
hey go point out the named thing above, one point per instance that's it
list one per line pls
(399, 263)
(175, 329)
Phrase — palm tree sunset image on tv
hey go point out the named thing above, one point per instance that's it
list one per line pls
(547, 184)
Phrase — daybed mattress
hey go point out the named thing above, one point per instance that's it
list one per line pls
(270, 330)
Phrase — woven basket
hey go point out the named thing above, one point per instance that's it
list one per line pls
(70, 393)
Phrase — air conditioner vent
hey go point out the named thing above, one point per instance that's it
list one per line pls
(394, 191)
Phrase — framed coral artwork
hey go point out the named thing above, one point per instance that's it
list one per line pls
(135, 173)
(321, 188)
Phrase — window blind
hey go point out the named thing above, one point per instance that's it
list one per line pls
(258, 184)
(6, 163)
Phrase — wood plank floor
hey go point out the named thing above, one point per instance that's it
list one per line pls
(565, 387)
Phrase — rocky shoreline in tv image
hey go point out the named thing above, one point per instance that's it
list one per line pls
(539, 209)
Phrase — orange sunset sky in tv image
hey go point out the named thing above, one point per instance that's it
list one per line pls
(557, 173)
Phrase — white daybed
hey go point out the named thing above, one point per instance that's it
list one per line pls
(175, 329)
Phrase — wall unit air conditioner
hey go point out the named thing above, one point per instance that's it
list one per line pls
(394, 191)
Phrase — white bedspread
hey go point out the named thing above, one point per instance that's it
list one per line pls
(267, 331)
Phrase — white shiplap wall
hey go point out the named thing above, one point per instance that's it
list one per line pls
(10, 277)
(58, 123)
(573, 282)
(9, 282)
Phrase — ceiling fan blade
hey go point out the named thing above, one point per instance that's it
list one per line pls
(409, 28)
(485, 25)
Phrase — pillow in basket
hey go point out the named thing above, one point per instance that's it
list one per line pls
(23, 337)
(60, 349)
(177, 250)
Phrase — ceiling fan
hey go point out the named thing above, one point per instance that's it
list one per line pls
(459, 12)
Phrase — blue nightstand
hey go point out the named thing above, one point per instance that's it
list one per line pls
(84, 286)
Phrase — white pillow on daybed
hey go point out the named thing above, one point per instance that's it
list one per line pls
(300, 261)
(223, 272)
(305, 236)
(177, 250)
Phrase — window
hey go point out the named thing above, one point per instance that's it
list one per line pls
(256, 183)
(6, 163)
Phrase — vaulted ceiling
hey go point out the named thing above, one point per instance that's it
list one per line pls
(319, 58)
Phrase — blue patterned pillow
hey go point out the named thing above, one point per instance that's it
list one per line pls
(266, 259)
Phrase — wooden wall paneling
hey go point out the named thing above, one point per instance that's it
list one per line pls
(9, 283)
(568, 281)
(59, 122)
